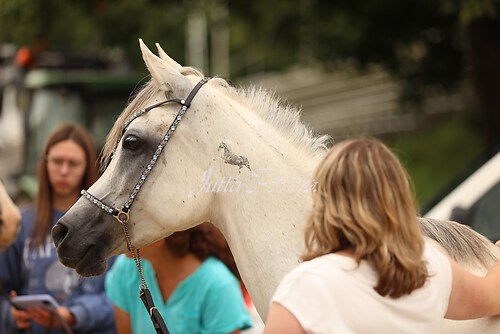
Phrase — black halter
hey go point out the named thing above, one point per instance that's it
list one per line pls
(122, 214)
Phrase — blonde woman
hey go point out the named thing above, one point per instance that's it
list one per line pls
(9, 219)
(367, 268)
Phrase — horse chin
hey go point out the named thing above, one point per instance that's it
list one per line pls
(92, 263)
(89, 267)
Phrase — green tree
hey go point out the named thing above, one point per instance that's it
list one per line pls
(427, 44)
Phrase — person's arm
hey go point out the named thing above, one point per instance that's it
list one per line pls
(473, 296)
(9, 219)
(12, 273)
(48, 319)
(92, 311)
(119, 292)
(21, 318)
(224, 309)
(281, 320)
(122, 320)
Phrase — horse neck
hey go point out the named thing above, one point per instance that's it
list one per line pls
(264, 232)
(263, 218)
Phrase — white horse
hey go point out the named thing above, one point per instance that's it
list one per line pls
(260, 210)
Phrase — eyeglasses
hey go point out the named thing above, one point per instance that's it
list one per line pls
(56, 162)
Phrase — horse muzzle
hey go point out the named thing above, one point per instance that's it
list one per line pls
(85, 245)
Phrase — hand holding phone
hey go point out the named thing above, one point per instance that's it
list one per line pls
(44, 301)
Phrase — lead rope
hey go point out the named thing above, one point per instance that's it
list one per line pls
(122, 214)
(145, 294)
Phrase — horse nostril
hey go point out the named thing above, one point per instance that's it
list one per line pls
(59, 232)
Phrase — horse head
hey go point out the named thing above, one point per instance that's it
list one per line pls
(188, 150)
(88, 231)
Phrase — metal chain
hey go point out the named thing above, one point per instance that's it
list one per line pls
(135, 254)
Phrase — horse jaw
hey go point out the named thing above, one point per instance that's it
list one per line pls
(166, 75)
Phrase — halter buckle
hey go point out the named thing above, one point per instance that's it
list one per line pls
(121, 215)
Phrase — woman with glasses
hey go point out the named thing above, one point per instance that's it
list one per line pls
(30, 266)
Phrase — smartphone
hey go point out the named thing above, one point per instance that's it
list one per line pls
(43, 300)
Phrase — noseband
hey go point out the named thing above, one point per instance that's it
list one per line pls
(121, 214)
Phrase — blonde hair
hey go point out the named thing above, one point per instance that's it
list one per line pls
(364, 202)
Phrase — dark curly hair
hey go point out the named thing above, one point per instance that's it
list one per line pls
(203, 241)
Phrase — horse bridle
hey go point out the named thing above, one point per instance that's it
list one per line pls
(122, 214)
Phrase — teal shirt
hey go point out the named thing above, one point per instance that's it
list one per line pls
(208, 301)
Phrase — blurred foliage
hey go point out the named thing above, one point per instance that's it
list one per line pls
(438, 156)
(93, 26)
(422, 41)
(476, 9)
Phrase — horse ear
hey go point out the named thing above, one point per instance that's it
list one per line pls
(164, 74)
(166, 58)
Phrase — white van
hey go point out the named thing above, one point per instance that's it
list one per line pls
(475, 202)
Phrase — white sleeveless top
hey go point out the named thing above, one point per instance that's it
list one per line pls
(331, 294)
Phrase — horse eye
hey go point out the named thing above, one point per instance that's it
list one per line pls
(131, 142)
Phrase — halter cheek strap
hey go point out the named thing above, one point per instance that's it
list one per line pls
(122, 214)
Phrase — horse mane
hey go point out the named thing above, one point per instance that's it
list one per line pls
(283, 117)
(462, 243)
